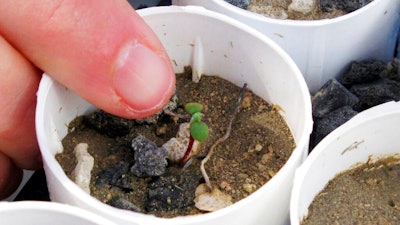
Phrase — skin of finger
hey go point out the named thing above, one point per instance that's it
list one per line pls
(10, 176)
(18, 84)
(79, 40)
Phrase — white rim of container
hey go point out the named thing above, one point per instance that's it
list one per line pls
(53, 207)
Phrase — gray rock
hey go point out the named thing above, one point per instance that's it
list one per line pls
(362, 72)
(122, 203)
(107, 124)
(118, 176)
(376, 92)
(168, 193)
(239, 3)
(150, 160)
(344, 5)
(330, 122)
(332, 95)
(392, 70)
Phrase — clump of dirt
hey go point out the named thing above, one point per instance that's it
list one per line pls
(368, 194)
(259, 145)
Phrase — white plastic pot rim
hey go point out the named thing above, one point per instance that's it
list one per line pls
(25, 207)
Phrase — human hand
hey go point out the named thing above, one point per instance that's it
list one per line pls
(100, 49)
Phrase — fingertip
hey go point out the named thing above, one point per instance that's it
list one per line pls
(144, 80)
(105, 52)
(10, 176)
(19, 81)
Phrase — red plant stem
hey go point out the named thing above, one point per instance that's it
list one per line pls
(188, 150)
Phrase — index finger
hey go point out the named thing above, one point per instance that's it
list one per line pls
(102, 50)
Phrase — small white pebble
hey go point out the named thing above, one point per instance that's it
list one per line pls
(201, 189)
(83, 169)
(211, 201)
(302, 6)
(249, 188)
(176, 147)
(259, 147)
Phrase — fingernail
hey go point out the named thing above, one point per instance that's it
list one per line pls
(143, 79)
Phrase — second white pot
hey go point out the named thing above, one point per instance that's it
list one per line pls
(324, 49)
(371, 135)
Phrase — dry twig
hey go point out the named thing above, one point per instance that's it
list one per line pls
(223, 138)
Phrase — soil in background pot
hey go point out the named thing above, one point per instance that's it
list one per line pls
(368, 194)
(259, 145)
(300, 9)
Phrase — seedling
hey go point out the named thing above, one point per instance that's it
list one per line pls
(198, 129)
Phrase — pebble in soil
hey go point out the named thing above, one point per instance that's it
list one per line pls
(238, 167)
(150, 160)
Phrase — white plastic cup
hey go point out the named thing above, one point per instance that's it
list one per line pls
(47, 213)
(323, 49)
(372, 133)
(211, 44)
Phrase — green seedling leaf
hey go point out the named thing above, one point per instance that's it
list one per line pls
(193, 107)
(196, 117)
(199, 131)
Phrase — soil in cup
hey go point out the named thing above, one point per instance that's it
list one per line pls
(367, 194)
(304, 10)
(258, 146)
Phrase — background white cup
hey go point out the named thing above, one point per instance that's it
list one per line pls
(324, 49)
(372, 134)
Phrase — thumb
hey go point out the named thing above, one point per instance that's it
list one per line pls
(100, 49)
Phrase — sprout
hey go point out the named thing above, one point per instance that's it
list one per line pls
(193, 107)
(196, 117)
(198, 129)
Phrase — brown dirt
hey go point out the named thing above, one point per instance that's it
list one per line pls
(315, 14)
(259, 145)
(368, 194)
